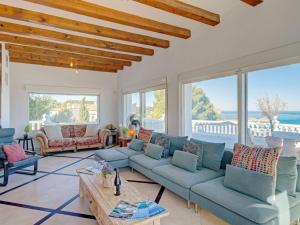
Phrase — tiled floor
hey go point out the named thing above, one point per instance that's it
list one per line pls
(51, 196)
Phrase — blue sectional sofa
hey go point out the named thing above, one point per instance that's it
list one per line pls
(205, 187)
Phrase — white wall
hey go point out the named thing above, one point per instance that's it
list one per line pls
(25, 74)
(4, 89)
(243, 31)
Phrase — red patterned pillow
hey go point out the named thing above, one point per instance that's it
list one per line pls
(14, 153)
(145, 135)
(258, 159)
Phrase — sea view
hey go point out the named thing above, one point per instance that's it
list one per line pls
(288, 117)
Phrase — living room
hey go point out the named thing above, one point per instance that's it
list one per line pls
(174, 99)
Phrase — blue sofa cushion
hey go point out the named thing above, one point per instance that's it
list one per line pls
(212, 153)
(110, 155)
(287, 175)
(154, 151)
(227, 158)
(148, 162)
(242, 180)
(164, 142)
(30, 160)
(176, 143)
(250, 208)
(127, 151)
(185, 160)
(136, 145)
(186, 178)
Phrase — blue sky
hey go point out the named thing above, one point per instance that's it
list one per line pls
(282, 81)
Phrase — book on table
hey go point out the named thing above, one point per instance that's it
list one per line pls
(139, 210)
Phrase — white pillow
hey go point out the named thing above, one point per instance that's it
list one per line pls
(53, 132)
(91, 130)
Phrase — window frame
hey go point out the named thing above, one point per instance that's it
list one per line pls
(242, 89)
(142, 103)
(68, 94)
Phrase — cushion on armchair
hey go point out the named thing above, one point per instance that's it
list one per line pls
(14, 152)
(53, 132)
(91, 130)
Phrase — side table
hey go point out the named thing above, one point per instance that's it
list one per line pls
(25, 141)
(123, 141)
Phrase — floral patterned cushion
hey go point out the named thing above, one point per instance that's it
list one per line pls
(65, 142)
(258, 159)
(195, 149)
(67, 131)
(145, 135)
(87, 141)
(79, 130)
(164, 142)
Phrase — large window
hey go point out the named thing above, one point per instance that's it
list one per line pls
(273, 107)
(57, 108)
(149, 107)
(210, 110)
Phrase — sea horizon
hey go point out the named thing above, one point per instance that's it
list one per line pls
(285, 117)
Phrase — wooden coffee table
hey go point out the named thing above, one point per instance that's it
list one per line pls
(102, 200)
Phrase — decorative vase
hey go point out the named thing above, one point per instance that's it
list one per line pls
(108, 180)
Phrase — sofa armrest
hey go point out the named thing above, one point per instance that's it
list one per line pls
(103, 134)
(42, 139)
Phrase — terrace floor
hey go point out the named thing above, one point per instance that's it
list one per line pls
(51, 196)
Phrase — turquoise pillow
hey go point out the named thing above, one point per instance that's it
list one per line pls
(287, 175)
(154, 151)
(176, 143)
(136, 145)
(251, 183)
(185, 160)
(212, 153)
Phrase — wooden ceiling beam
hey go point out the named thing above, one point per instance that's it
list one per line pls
(115, 16)
(68, 24)
(36, 62)
(45, 58)
(253, 2)
(183, 9)
(55, 53)
(28, 30)
(67, 48)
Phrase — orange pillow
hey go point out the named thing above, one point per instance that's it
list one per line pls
(145, 135)
(14, 153)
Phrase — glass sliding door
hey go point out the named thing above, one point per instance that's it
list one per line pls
(149, 106)
(131, 106)
(273, 107)
(210, 110)
(154, 110)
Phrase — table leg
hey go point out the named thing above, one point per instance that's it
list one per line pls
(23, 144)
(19, 141)
(32, 147)
(27, 145)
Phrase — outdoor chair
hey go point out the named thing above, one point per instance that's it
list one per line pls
(6, 138)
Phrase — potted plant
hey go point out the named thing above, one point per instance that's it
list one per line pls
(124, 131)
(27, 129)
(108, 176)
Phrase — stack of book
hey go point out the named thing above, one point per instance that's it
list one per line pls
(140, 210)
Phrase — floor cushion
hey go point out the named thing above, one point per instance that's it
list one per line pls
(250, 208)
(87, 140)
(127, 151)
(185, 178)
(110, 155)
(149, 162)
(63, 142)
